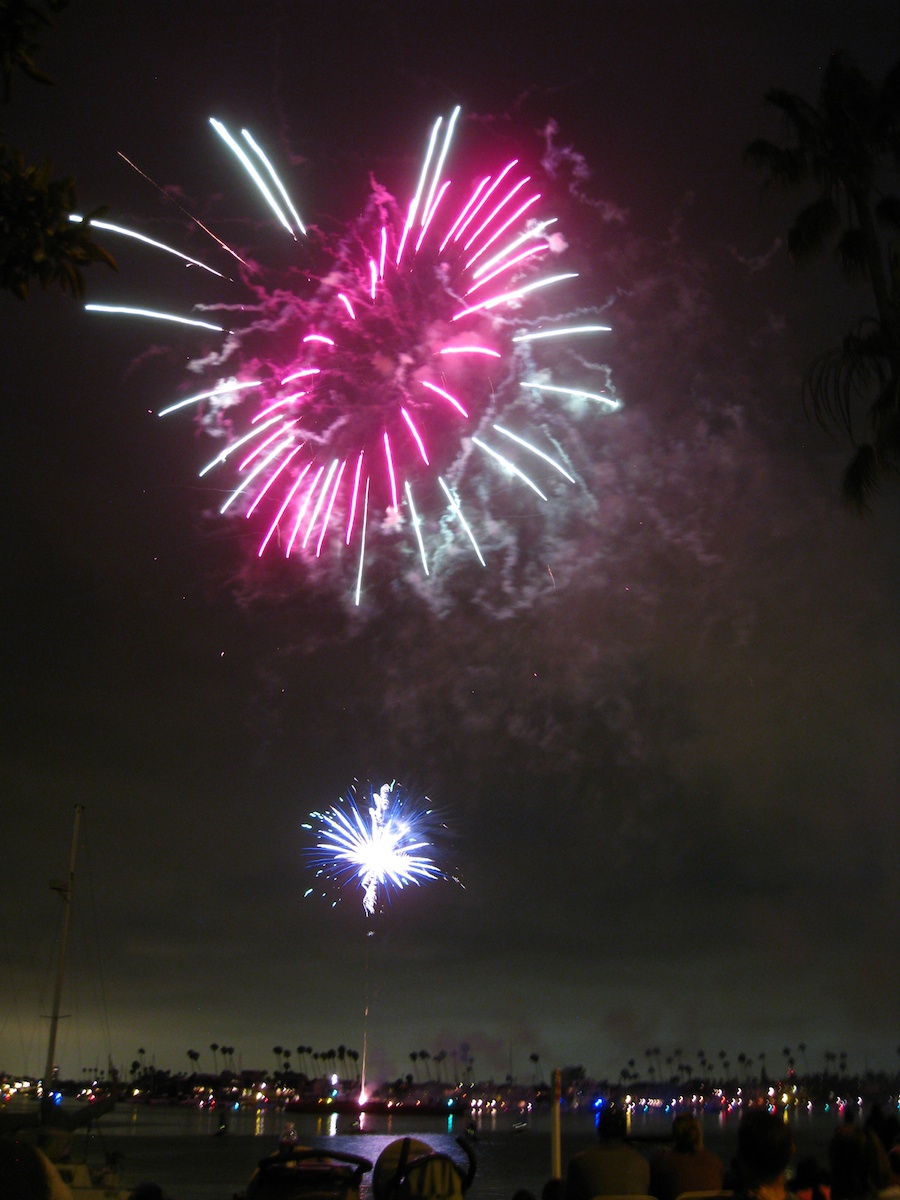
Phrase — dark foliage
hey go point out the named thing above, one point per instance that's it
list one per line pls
(847, 148)
(38, 241)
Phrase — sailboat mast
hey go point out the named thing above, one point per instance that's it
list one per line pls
(65, 891)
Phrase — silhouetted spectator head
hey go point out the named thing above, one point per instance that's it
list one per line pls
(859, 1164)
(27, 1174)
(810, 1180)
(894, 1162)
(612, 1125)
(764, 1147)
(148, 1191)
(687, 1136)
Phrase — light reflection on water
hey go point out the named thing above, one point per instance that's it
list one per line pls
(178, 1147)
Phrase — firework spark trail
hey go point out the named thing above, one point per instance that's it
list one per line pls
(248, 166)
(534, 450)
(386, 373)
(190, 216)
(122, 310)
(382, 846)
(454, 505)
(148, 241)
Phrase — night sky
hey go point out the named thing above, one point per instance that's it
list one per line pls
(662, 724)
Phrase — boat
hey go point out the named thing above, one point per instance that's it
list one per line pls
(86, 1182)
(302, 1173)
(51, 1128)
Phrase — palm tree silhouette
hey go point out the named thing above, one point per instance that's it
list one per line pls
(846, 147)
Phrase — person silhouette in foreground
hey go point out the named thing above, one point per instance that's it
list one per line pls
(26, 1173)
(860, 1168)
(764, 1149)
(611, 1167)
(686, 1166)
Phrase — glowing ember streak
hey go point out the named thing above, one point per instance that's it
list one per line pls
(317, 507)
(283, 445)
(281, 188)
(327, 517)
(509, 466)
(576, 393)
(471, 350)
(359, 463)
(255, 453)
(446, 395)
(390, 467)
(373, 277)
(276, 404)
(427, 224)
(383, 253)
(362, 546)
(304, 371)
(454, 504)
(484, 224)
(263, 491)
(515, 295)
(384, 844)
(506, 266)
(484, 199)
(222, 389)
(413, 208)
(284, 507)
(170, 198)
(534, 450)
(140, 237)
(319, 337)
(415, 517)
(248, 166)
(429, 209)
(301, 511)
(149, 312)
(408, 419)
(527, 236)
(552, 333)
(229, 450)
(459, 219)
(503, 228)
(346, 303)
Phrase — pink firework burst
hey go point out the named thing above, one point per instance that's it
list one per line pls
(349, 427)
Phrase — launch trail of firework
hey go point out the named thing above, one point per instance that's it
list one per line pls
(383, 842)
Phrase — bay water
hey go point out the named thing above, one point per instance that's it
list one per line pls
(182, 1150)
